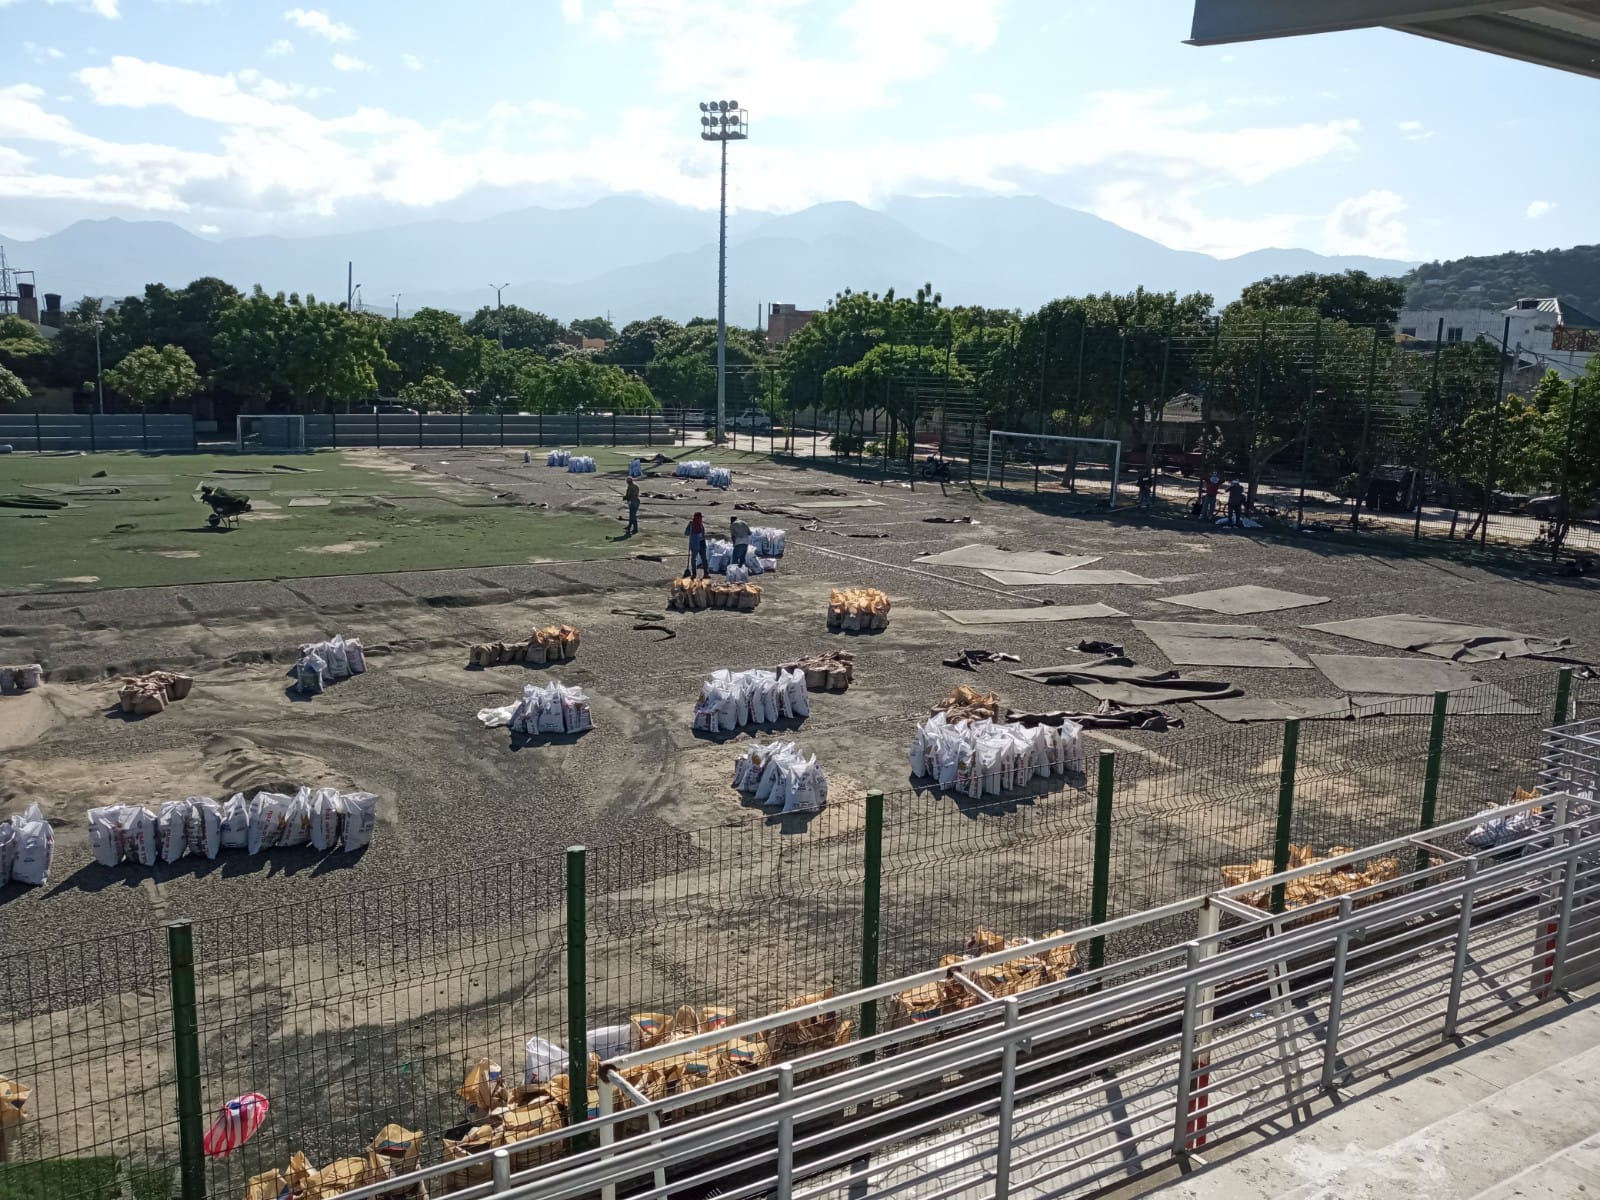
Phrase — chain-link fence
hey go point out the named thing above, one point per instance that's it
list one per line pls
(367, 1009)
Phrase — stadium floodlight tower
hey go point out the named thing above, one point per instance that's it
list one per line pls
(723, 121)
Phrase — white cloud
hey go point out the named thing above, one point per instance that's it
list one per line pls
(317, 22)
(279, 48)
(271, 89)
(1539, 208)
(1367, 224)
(349, 62)
(987, 101)
(41, 54)
(572, 11)
(412, 62)
(210, 230)
(1413, 131)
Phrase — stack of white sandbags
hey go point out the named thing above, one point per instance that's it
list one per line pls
(580, 464)
(693, 468)
(720, 477)
(731, 699)
(719, 559)
(323, 818)
(27, 843)
(553, 708)
(635, 468)
(557, 458)
(767, 541)
(322, 663)
(978, 758)
(779, 775)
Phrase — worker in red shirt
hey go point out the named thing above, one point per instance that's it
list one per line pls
(1208, 498)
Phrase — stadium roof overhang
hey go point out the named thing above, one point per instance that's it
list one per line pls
(1564, 34)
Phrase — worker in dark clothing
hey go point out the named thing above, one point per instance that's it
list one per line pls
(1236, 504)
(740, 532)
(696, 531)
(632, 497)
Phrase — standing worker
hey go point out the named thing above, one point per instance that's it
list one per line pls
(1235, 504)
(741, 539)
(1208, 501)
(632, 497)
(696, 529)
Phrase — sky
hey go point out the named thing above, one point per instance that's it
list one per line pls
(233, 117)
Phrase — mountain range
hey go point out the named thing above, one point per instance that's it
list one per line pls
(633, 257)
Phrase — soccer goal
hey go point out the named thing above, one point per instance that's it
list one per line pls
(265, 434)
(1030, 445)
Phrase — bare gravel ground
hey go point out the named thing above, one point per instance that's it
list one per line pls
(355, 989)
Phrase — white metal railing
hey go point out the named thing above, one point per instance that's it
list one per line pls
(1108, 1073)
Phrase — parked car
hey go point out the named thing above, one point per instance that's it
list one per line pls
(1550, 508)
(393, 410)
(1165, 456)
(752, 422)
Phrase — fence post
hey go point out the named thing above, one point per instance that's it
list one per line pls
(91, 432)
(1563, 694)
(1286, 770)
(502, 429)
(144, 431)
(1100, 895)
(649, 428)
(419, 429)
(871, 907)
(461, 429)
(38, 432)
(1430, 776)
(186, 1048)
(1419, 471)
(613, 428)
(577, 988)
(577, 428)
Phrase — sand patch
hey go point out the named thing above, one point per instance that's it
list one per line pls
(341, 548)
(79, 579)
(176, 553)
(263, 516)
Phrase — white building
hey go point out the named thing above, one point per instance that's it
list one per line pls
(1543, 333)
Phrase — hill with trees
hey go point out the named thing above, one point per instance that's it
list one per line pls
(1499, 280)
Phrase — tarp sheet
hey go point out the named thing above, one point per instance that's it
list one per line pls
(1125, 682)
(1244, 599)
(1200, 645)
(1443, 639)
(992, 558)
(1018, 616)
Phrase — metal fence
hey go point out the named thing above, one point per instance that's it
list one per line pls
(57, 432)
(354, 1013)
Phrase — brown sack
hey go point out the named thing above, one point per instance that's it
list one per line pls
(485, 1087)
(13, 1102)
(268, 1185)
(528, 1121)
(397, 1145)
(652, 1028)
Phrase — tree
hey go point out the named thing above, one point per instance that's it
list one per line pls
(509, 378)
(149, 376)
(1351, 296)
(251, 339)
(594, 327)
(636, 345)
(12, 389)
(23, 349)
(332, 354)
(683, 381)
(433, 393)
(1567, 448)
(432, 341)
(515, 327)
(578, 383)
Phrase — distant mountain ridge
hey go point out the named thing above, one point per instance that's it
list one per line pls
(633, 257)
(1500, 280)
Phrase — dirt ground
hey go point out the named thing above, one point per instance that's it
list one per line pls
(355, 989)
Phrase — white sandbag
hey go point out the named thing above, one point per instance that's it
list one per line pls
(612, 1041)
(35, 844)
(172, 829)
(718, 552)
(139, 836)
(736, 573)
(806, 792)
(235, 832)
(360, 819)
(542, 1061)
(203, 831)
(494, 718)
(693, 468)
(355, 655)
(794, 683)
(720, 477)
(635, 468)
(575, 714)
(338, 661)
(297, 820)
(8, 851)
(327, 812)
(550, 719)
(752, 566)
(269, 812)
(105, 834)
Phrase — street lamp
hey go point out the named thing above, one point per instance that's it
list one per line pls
(99, 374)
(499, 330)
(722, 121)
(356, 298)
(396, 305)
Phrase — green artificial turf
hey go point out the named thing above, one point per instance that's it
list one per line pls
(155, 532)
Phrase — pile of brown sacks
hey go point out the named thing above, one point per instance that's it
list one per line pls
(1324, 885)
(552, 644)
(928, 1000)
(969, 704)
(692, 595)
(832, 670)
(395, 1151)
(855, 609)
(142, 695)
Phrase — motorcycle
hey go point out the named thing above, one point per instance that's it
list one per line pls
(935, 469)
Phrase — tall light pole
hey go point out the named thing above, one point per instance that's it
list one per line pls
(499, 330)
(723, 121)
(99, 374)
(396, 305)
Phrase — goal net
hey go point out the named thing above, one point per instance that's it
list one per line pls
(1085, 464)
(262, 434)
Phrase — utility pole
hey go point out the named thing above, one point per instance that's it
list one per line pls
(396, 306)
(349, 286)
(99, 374)
(499, 329)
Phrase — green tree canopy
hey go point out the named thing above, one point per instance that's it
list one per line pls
(515, 327)
(150, 376)
(636, 345)
(433, 393)
(580, 383)
(683, 381)
(594, 327)
(1351, 296)
(13, 390)
(432, 341)
(280, 348)
(1567, 448)
(23, 350)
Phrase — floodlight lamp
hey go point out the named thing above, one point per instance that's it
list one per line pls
(733, 104)
(702, 106)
